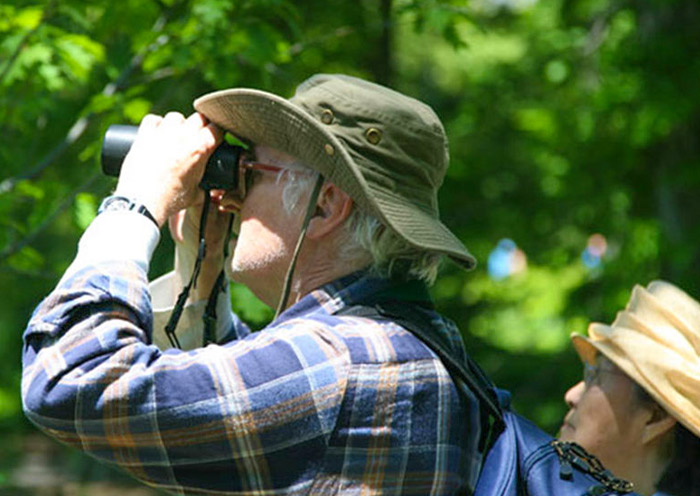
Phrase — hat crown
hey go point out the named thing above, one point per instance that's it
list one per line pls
(397, 141)
(666, 312)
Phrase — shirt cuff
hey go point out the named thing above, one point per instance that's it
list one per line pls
(117, 236)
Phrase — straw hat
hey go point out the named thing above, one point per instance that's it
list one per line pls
(656, 342)
(384, 149)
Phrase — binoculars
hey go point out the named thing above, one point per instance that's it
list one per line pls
(221, 171)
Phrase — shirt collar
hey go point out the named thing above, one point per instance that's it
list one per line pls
(357, 288)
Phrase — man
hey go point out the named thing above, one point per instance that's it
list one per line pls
(321, 401)
(638, 407)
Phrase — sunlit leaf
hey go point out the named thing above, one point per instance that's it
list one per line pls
(27, 259)
(80, 54)
(136, 109)
(249, 307)
(28, 18)
(84, 209)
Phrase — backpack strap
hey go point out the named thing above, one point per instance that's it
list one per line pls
(418, 321)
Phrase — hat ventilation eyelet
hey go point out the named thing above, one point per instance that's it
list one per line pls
(327, 116)
(373, 135)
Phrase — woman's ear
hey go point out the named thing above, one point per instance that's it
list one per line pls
(333, 207)
(658, 424)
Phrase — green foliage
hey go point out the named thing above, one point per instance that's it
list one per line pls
(9, 404)
(526, 312)
(84, 209)
(249, 307)
(565, 119)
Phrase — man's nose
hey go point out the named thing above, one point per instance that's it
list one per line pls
(573, 395)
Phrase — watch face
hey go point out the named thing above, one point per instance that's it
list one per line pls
(115, 203)
(123, 203)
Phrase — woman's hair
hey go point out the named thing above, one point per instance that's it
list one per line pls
(368, 238)
(682, 475)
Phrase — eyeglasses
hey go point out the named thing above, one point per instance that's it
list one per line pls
(246, 169)
(592, 373)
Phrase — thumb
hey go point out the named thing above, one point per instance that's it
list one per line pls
(175, 223)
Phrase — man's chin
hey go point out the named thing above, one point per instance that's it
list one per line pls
(237, 276)
(239, 271)
(230, 273)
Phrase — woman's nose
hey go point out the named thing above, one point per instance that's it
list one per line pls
(573, 395)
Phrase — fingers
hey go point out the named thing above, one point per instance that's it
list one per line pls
(205, 134)
(209, 133)
(195, 125)
(217, 195)
(196, 121)
(227, 201)
(149, 123)
(150, 120)
(184, 224)
(175, 223)
(173, 118)
(214, 132)
(166, 163)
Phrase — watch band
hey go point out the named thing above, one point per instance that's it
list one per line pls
(116, 202)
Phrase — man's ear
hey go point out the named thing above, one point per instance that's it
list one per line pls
(333, 207)
(658, 424)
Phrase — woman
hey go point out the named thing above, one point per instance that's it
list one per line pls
(638, 407)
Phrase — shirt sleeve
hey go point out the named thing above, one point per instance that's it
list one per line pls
(252, 414)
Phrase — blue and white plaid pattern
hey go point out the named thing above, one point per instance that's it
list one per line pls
(313, 404)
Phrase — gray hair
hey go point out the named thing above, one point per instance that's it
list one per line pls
(366, 236)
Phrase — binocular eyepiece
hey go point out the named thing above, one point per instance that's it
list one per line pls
(221, 171)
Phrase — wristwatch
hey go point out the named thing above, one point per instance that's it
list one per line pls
(115, 202)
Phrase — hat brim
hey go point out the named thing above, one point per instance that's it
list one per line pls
(264, 118)
(601, 339)
(585, 348)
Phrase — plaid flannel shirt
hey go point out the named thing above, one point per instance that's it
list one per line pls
(315, 403)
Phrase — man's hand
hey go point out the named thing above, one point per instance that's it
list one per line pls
(166, 162)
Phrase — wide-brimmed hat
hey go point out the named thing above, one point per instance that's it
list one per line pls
(384, 149)
(656, 342)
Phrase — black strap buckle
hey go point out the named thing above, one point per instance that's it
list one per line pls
(573, 455)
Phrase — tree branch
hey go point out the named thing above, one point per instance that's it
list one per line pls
(48, 12)
(340, 32)
(80, 125)
(385, 64)
(18, 245)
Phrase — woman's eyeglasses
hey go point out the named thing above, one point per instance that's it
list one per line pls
(592, 372)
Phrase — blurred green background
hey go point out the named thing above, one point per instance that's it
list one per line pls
(575, 142)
